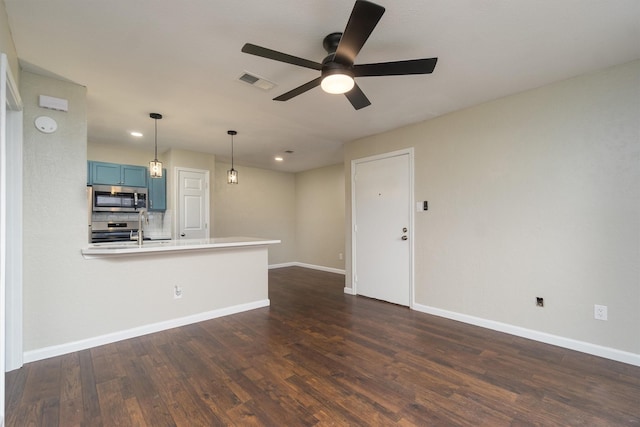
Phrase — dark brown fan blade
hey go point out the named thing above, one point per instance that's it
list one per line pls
(397, 68)
(279, 56)
(357, 98)
(299, 90)
(363, 20)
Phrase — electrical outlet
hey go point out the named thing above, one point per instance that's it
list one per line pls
(177, 292)
(340, 256)
(600, 312)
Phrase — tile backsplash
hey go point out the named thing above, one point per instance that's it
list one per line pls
(159, 226)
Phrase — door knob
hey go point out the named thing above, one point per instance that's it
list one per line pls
(404, 237)
(182, 234)
(404, 229)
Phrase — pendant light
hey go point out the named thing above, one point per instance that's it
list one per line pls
(155, 166)
(232, 174)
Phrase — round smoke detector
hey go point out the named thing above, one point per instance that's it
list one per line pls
(46, 124)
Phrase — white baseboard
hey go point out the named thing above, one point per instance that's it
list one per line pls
(58, 350)
(311, 266)
(584, 347)
(283, 265)
(349, 291)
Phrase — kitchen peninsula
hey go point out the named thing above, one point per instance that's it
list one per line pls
(163, 285)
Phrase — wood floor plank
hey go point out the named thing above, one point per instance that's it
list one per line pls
(153, 408)
(319, 357)
(113, 407)
(90, 400)
(70, 378)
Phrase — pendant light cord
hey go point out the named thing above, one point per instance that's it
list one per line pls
(232, 133)
(156, 117)
(156, 140)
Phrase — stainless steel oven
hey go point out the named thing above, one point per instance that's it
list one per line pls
(113, 231)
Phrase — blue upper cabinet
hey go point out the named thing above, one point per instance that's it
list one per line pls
(105, 173)
(158, 192)
(134, 176)
(116, 174)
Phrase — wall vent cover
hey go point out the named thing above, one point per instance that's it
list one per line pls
(256, 81)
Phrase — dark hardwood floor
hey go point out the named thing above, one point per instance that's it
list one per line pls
(320, 357)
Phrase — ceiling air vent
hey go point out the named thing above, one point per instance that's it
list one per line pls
(256, 81)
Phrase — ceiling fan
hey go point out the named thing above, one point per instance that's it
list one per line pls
(337, 70)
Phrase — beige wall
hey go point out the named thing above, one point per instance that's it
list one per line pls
(320, 217)
(59, 296)
(118, 154)
(536, 194)
(262, 205)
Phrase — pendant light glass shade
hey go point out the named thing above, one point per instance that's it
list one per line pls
(155, 166)
(155, 169)
(232, 174)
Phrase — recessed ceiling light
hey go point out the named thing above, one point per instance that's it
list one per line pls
(136, 134)
(279, 159)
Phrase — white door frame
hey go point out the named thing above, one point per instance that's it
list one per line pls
(407, 151)
(10, 226)
(176, 201)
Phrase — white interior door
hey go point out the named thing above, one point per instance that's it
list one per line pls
(193, 204)
(382, 201)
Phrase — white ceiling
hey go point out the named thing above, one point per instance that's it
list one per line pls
(183, 59)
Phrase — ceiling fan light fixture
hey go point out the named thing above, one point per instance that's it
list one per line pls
(338, 68)
(337, 82)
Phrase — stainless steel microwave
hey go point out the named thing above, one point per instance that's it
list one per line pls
(111, 198)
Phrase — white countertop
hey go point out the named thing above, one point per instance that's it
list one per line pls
(100, 250)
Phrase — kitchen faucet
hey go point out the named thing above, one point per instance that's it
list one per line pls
(142, 213)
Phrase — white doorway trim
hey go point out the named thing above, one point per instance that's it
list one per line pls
(11, 354)
(354, 163)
